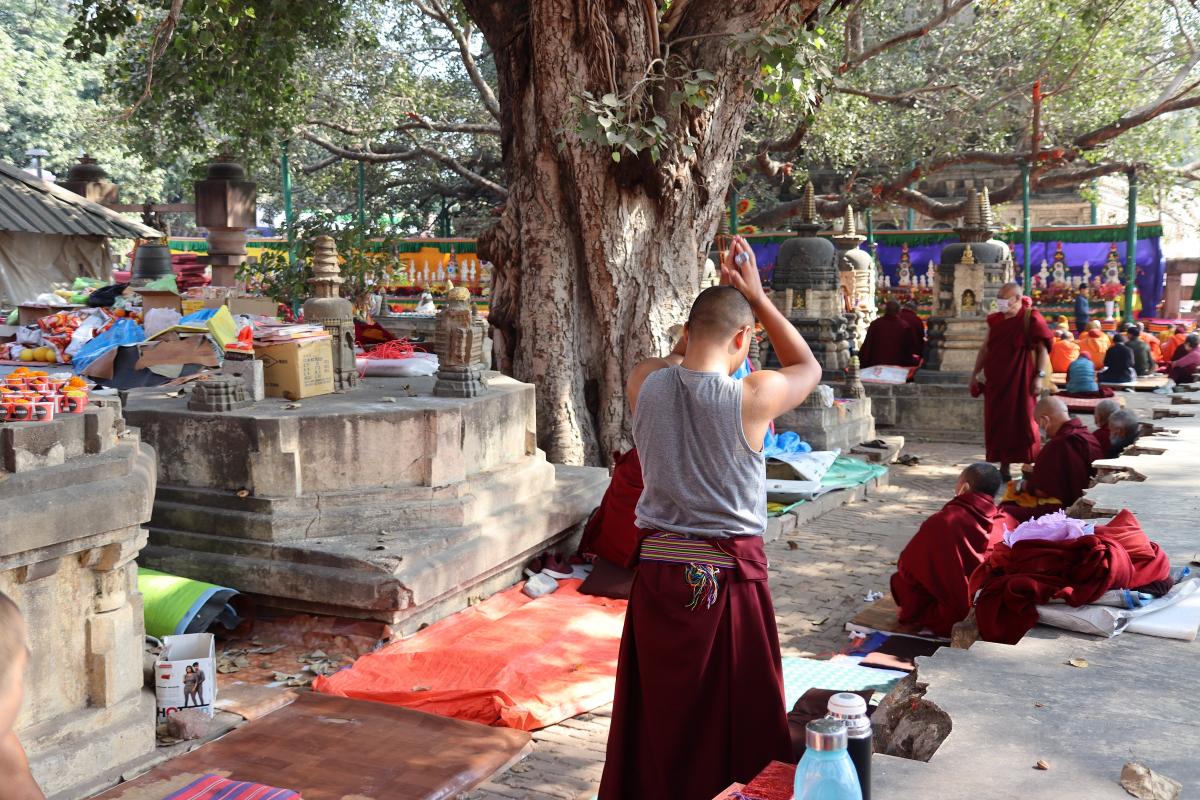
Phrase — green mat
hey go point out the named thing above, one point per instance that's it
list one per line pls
(845, 473)
(173, 603)
(802, 674)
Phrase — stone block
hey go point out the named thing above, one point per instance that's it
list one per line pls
(251, 373)
(99, 428)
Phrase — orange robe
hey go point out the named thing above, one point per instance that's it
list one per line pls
(1062, 354)
(1168, 348)
(1094, 344)
(1155, 346)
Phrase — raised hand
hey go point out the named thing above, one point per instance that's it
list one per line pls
(740, 270)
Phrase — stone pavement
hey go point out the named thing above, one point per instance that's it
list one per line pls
(820, 575)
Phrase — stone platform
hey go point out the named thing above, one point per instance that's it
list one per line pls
(936, 407)
(74, 493)
(844, 426)
(382, 503)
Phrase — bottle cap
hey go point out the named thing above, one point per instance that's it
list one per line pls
(825, 734)
(847, 704)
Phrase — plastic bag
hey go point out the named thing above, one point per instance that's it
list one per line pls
(94, 321)
(420, 364)
(159, 319)
(124, 332)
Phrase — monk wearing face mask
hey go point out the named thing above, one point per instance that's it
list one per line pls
(1010, 372)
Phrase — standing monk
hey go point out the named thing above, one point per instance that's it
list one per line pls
(1014, 362)
(699, 697)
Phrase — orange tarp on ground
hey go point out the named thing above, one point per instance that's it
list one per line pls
(509, 661)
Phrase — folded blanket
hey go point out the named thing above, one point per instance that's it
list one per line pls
(214, 787)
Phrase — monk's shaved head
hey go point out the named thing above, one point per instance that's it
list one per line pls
(891, 307)
(718, 313)
(1104, 410)
(1050, 406)
(982, 477)
(1010, 289)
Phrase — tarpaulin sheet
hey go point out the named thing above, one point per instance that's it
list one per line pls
(509, 661)
(172, 603)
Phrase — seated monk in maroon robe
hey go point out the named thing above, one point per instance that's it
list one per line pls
(699, 701)
(930, 584)
(1101, 414)
(1010, 371)
(1063, 469)
(890, 341)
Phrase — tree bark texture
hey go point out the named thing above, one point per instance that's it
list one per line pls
(594, 260)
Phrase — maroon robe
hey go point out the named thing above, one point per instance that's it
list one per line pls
(1063, 470)
(699, 697)
(918, 328)
(612, 532)
(890, 342)
(1103, 438)
(1009, 432)
(1184, 368)
(930, 584)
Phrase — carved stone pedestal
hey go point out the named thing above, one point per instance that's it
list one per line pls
(459, 381)
(74, 493)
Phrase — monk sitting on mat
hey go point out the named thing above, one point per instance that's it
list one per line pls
(699, 694)
(1063, 469)
(930, 584)
(890, 341)
(16, 781)
(1063, 351)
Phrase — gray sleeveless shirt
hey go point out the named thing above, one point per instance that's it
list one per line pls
(701, 476)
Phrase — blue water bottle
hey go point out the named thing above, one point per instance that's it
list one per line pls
(826, 771)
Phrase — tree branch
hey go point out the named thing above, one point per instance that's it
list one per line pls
(158, 45)
(907, 98)
(418, 123)
(948, 11)
(436, 11)
(451, 163)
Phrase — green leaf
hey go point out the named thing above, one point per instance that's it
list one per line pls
(659, 122)
(611, 99)
(249, 12)
(616, 155)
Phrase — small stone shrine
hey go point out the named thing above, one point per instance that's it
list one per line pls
(969, 278)
(856, 269)
(218, 393)
(807, 288)
(458, 343)
(333, 312)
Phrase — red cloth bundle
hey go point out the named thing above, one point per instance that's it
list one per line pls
(1013, 581)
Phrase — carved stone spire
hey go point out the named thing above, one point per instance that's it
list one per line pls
(848, 228)
(971, 211)
(808, 212)
(327, 274)
(985, 210)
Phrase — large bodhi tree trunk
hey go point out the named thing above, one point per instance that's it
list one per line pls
(595, 260)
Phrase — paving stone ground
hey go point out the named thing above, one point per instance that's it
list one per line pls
(820, 575)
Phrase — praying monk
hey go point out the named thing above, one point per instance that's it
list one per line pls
(1063, 469)
(699, 696)
(930, 584)
(890, 341)
(1101, 414)
(1173, 341)
(1012, 366)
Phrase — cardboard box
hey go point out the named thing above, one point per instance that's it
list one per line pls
(185, 674)
(297, 369)
(29, 313)
(160, 298)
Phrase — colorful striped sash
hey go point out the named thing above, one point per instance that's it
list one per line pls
(214, 787)
(702, 561)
